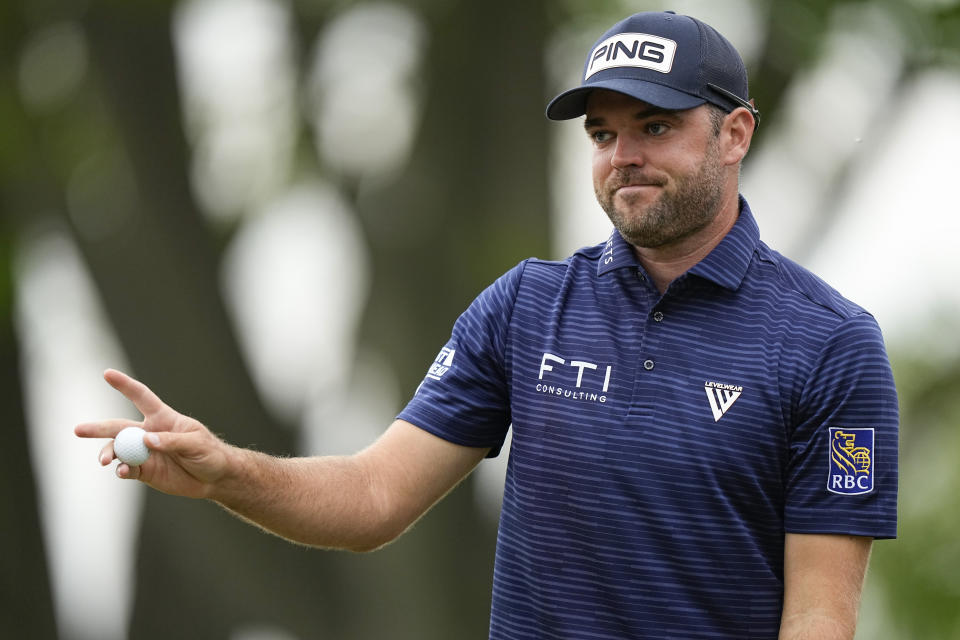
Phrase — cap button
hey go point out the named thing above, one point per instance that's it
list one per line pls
(673, 13)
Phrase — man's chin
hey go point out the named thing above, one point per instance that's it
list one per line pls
(637, 200)
(638, 235)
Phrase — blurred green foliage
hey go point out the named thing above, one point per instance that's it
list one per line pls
(917, 576)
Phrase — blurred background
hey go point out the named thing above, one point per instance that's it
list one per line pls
(272, 211)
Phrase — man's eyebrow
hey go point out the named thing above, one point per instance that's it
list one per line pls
(643, 114)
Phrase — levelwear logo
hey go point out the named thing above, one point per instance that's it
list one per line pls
(851, 461)
(632, 50)
(721, 397)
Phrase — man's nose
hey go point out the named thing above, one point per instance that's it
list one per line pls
(628, 152)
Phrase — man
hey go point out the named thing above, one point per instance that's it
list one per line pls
(704, 433)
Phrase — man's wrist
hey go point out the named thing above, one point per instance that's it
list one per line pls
(236, 476)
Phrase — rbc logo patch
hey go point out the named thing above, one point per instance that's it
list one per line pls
(851, 461)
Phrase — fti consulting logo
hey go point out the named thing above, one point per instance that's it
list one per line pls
(442, 363)
(851, 461)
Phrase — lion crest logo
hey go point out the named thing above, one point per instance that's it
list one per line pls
(851, 461)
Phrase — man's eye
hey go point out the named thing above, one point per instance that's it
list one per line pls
(657, 128)
(599, 137)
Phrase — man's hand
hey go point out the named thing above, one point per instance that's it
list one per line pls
(358, 502)
(186, 458)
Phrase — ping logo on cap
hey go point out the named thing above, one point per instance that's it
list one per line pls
(632, 50)
(851, 461)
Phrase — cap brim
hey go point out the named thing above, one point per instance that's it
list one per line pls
(573, 103)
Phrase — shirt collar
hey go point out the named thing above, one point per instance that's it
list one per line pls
(617, 254)
(726, 265)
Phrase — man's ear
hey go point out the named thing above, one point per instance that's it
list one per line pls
(736, 134)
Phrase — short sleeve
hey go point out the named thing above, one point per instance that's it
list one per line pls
(842, 468)
(464, 397)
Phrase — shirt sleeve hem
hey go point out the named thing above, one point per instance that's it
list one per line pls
(883, 532)
(432, 426)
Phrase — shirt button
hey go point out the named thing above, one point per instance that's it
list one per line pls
(648, 364)
(640, 276)
(658, 316)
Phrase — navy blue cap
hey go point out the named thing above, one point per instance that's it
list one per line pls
(667, 60)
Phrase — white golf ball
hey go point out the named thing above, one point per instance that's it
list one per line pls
(129, 446)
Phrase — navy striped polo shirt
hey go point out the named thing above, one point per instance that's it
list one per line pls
(663, 444)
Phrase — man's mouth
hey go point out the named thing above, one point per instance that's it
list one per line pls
(636, 188)
(635, 180)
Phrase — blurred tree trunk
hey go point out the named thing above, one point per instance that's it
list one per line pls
(201, 573)
(471, 203)
(26, 603)
(473, 200)
(26, 607)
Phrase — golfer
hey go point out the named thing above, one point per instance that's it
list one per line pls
(704, 434)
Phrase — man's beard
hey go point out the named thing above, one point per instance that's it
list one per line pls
(673, 216)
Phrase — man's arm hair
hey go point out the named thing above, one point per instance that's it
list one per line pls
(359, 502)
(823, 579)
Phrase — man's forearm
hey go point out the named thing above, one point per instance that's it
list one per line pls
(321, 501)
(823, 579)
(358, 502)
(818, 625)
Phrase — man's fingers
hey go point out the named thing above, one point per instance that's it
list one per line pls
(104, 428)
(127, 472)
(138, 393)
(106, 454)
(177, 444)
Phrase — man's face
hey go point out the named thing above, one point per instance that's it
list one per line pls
(657, 173)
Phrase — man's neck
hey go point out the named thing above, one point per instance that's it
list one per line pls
(665, 264)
